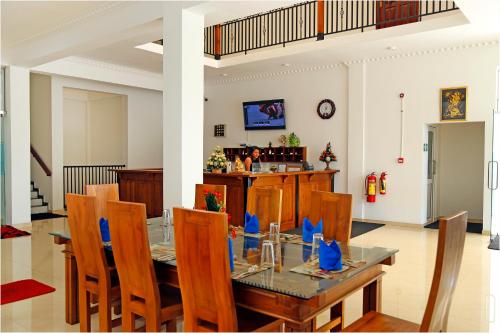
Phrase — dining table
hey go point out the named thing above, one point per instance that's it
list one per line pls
(278, 291)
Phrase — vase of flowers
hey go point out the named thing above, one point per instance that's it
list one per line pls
(327, 156)
(214, 202)
(217, 160)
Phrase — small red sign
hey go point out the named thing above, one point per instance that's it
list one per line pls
(401, 160)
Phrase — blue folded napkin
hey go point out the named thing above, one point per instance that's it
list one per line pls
(308, 229)
(231, 257)
(249, 243)
(251, 223)
(103, 224)
(330, 256)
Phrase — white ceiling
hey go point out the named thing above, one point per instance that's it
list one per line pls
(22, 20)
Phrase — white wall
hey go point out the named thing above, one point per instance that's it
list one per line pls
(40, 132)
(302, 92)
(460, 168)
(377, 122)
(420, 78)
(144, 130)
(95, 128)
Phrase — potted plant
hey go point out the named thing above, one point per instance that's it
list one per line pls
(293, 140)
(217, 160)
(327, 156)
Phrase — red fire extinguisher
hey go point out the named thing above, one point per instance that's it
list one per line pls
(371, 187)
(383, 183)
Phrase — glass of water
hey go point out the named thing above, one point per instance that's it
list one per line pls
(166, 224)
(267, 256)
(317, 238)
(274, 232)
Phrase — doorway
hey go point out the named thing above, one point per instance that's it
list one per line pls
(455, 170)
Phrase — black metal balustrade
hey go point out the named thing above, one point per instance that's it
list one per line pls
(300, 22)
(75, 177)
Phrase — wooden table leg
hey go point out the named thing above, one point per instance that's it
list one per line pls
(71, 285)
(372, 296)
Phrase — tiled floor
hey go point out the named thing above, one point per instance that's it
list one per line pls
(404, 294)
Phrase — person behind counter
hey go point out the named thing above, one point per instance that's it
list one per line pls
(252, 162)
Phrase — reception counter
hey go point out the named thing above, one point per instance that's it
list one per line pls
(146, 186)
(296, 186)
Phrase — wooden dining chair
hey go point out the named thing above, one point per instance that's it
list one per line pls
(103, 194)
(199, 199)
(95, 277)
(266, 204)
(450, 248)
(201, 244)
(336, 211)
(140, 292)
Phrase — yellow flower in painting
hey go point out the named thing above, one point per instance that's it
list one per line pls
(454, 99)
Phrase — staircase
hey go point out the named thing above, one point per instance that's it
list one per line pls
(37, 203)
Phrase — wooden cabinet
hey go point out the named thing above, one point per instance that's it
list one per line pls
(270, 154)
(144, 186)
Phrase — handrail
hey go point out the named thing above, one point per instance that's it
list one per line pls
(314, 19)
(38, 158)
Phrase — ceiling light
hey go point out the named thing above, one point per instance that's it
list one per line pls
(224, 74)
(151, 47)
(285, 65)
(392, 48)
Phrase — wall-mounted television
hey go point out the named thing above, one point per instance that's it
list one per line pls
(268, 114)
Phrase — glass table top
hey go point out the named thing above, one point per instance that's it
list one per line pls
(289, 255)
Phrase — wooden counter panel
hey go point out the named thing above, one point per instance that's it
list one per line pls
(307, 184)
(143, 186)
(235, 195)
(286, 183)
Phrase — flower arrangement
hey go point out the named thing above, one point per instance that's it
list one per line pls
(214, 203)
(217, 159)
(327, 156)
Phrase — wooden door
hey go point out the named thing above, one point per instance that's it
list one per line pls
(393, 13)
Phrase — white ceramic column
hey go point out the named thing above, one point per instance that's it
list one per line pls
(356, 136)
(183, 36)
(17, 145)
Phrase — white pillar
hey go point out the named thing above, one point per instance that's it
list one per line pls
(17, 149)
(182, 105)
(57, 130)
(356, 136)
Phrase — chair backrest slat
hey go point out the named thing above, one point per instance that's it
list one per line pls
(336, 211)
(131, 251)
(86, 236)
(199, 199)
(201, 242)
(450, 249)
(103, 194)
(266, 203)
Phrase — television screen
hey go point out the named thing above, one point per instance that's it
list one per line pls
(264, 114)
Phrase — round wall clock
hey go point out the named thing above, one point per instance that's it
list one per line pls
(326, 109)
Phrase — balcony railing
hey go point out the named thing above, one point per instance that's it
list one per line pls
(314, 19)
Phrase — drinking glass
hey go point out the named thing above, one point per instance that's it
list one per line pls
(166, 223)
(315, 245)
(274, 232)
(267, 256)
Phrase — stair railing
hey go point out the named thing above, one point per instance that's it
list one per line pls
(40, 161)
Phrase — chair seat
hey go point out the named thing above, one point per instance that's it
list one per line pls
(251, 321)
(171, 302)
(379, 322)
